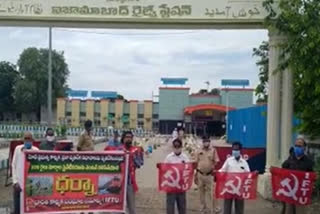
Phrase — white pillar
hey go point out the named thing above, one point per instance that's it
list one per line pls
(273, 115)
(286, 114)
(274, 101)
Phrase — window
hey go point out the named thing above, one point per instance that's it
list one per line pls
(140, 115)
(155, 116)
(68, 113)
(96, 114)
(97, 123)
(140, 124)
(83, 114)
(155, 125)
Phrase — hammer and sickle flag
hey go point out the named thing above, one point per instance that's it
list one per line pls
(292, 186)
(236, 185)
(175, 177)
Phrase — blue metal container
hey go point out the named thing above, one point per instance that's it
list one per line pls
(249, 126)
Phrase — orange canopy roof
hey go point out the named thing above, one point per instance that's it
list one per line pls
(191, 109)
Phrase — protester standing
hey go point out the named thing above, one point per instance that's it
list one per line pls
(301, 162)
(235, 163)
(177, 156)
(17, 169)
(50, 141)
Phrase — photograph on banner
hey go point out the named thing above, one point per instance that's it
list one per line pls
(175, 177)
(68, 182)
(292, 186)
(236, 185)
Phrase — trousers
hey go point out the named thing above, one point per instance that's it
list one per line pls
(239, 206)
(179, 199)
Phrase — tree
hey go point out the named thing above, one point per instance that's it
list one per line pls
(262, 53)
(299, 21)
(215, 91)
(31, 89)
(203, 91)
(120, 97)
(8, 77)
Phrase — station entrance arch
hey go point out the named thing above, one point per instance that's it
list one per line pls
(173, 14)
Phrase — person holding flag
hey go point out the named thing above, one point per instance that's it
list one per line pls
(236, 164)
(298, 161)
(177, 156)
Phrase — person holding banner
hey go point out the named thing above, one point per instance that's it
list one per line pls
(134, 163)
(237, 164)
(299, 161)
(177, 156)
(206, 159)
(17, 169)
(50, 142)
(85, 139)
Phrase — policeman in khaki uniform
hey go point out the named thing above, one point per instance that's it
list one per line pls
(85, 139)
(206, 159)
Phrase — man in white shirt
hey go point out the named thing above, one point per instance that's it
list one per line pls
(17, 169)
(180, 198)
(235, 163)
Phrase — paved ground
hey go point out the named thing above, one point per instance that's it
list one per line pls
(149, 200)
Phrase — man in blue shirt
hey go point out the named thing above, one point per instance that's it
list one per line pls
(115, 140)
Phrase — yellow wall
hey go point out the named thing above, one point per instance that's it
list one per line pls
(148, 115)
(90, 110)
(104, 112)
(118, 114)
(61, 110)
(133, 114)
(75, 113)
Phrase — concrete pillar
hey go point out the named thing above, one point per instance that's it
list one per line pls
(75, 113)
(133, 114)
(90, 110)
(148, 115)
(274, 114)
(118, 113)
(274, 101)
(61, 110)
(104, 112)
(286, 113)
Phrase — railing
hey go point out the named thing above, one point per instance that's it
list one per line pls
(12, 131)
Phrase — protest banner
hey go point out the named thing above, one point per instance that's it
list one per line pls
(236, 185)
(292, 186)
(175, 177)
(70, 182)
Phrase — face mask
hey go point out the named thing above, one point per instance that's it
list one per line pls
(50, 138)
(298, 151)
(27, 145)
(177, 152)
(206, 145)
(236, 153)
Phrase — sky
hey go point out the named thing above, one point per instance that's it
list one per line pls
(132, 62)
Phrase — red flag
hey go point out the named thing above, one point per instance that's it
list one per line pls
(236, 185)
(292, 186)
(175, 178)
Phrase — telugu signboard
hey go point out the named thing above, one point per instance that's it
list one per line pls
(134, 11)
(71, 182)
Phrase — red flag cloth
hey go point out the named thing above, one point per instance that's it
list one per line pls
(292, 186)
(175, 177)
(236, 185)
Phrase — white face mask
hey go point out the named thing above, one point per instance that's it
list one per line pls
(50, 138)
